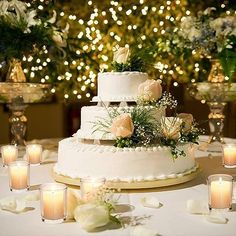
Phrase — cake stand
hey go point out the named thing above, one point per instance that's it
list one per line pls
(18, 96)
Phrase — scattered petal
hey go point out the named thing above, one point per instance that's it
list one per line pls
(32, 197)
(151, 202)
(217, 218)
(141, 231)
(13, 204)
(197, 207)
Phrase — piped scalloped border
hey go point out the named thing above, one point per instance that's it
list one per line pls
(115, 99)
(139, 183)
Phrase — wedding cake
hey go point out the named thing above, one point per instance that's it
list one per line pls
(127, 142)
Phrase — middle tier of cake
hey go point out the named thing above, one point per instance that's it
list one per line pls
(90, 115)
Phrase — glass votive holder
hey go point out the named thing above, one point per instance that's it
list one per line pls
(34, 154)
(53, 202)
(229, 155)
(9, 154)
(90, 185)
(220, 191)
(19, 175)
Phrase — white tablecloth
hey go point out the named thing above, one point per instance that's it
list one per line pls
(172, 219)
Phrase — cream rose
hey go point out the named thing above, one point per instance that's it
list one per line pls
(122, 126)
(91, 216)
(171, 126)
(121, 55)
(150, 90)
(187, 121)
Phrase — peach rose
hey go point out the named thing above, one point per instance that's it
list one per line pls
(187, 120)
(122, 126)
(150, 90)
(121, 55)
(170, 127)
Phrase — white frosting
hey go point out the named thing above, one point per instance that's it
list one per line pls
(78, 160)
(91, 114)
(119, 86)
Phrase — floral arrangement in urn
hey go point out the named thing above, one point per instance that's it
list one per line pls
(24, 33)
(211, 36)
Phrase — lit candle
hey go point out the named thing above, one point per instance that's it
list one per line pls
(229, 155)
(9, 154)
(34, 153)
(19, 176)
(220, 191)
(53, 202)
(90, 185)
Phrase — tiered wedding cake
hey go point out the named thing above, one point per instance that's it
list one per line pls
(126, 142)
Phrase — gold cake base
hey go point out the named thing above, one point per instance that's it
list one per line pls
(136, 184)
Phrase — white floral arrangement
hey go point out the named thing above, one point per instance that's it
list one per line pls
(211, 36)
(140, 127)
(93, 211)
(29, 32)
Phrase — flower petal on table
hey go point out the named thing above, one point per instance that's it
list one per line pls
(195, 206)
(151, 202)
(49, 156)
(13, 204)
(143, 231)
(32, 197)
(217, 218)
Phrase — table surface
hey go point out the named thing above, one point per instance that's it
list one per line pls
(172, 219)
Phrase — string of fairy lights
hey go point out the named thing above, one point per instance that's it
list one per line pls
(100, 31)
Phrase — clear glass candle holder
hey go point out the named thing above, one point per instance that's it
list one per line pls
(19, 176)
(9, 154)
(229, 155)
(53, 202)
(220, 191)
(90, 185)
(34, 154)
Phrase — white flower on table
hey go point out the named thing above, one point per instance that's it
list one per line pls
(91, 216)
(121, 55)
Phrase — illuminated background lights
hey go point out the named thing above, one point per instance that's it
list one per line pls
(96, 30)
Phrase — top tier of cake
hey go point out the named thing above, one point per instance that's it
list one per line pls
(119, 86)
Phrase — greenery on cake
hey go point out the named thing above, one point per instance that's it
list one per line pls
(140, 128)
(133, 60)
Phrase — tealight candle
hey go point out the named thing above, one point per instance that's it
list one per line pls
(90, 185)
(53, 202)
(19, 176)
(34, 154)
(229, 155)
(9, 154)
(220, 190)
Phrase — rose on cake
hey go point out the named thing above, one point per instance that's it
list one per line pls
(171, 127)
(150, 90)
(187, 121)
(122, 126)
(121, 55)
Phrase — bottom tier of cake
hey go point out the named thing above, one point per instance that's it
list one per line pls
(78, 160)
